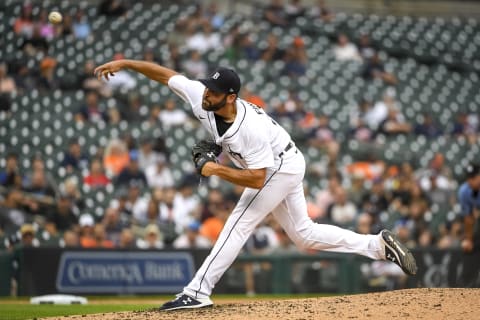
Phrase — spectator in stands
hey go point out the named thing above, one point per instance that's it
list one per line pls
(342, 212)
(47, 30)
(70, 239)
(11, 176)
(147, 156)
(212, 14)
(323, 137)
(296, 59)
(123, 80)
(374, 69)
(195, 67)
(63, 215)
(469, 199)
(212, 226)
(395, 123)
(248, 95)
(466, 125)
(87, 234)
(359, 128)
(375, 202)
(376, 115)
(70, 189)
(39, 186)
(291, 108)
(49, 235)
(325, 197)
(23, 25)
(127, 239)
(28, 239)
(35, 44)
(171, 115)
(96, 177)
(344, 50)
(92, 111)
(112, 8)
(272, 51)
(427, 127)
(151, 55)
(159, 174)
(365, 48)
(66, 28)
(116, 157)
(135, 110)
(174, 58)
(114, 223)
(12, 211)
(131, 173)
(7, 87)
(192, 239)
(137, 204)
(81, 27)
(356, 189)
(74, 158)
(275, 13)
(186, 200)
(320, 11)
(47, 80)
(152, 238)
(174, 215)
(87, 81)
(204, 39)
(101, 240)
(122, 205)
(364, 224)
(294, 9)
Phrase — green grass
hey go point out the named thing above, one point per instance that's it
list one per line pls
(28, 311)
(21, 309)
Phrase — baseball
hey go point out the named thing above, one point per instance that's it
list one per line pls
(55, 17)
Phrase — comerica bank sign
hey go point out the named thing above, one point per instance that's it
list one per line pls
(124, 272)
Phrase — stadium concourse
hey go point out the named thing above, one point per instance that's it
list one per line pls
(384, 108)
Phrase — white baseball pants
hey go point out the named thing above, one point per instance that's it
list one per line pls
(283, 195)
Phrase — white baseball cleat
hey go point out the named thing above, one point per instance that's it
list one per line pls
(396, 252)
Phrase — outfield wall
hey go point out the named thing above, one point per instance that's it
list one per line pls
(52, 270)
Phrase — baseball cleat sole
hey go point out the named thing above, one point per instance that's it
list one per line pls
(398, 253)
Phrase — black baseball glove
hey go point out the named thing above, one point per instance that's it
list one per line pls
(203, 152)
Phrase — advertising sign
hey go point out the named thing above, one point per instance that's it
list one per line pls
(124, 272)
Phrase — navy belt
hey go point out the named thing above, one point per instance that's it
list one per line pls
(288, 147)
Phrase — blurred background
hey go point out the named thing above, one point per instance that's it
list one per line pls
(382, 97)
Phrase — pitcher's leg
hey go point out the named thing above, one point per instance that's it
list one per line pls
(252, 208)
(292, 215)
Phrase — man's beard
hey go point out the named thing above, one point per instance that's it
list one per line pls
(217, 106)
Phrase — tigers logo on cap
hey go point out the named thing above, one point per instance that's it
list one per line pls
(223, 80)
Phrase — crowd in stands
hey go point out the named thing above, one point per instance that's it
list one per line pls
(151, 209)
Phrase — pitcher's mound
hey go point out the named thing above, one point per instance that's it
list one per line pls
(451, 304)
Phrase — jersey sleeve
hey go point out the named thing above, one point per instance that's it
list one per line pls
(190, 91)
(466, 207)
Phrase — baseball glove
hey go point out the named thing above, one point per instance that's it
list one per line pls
(203, 152)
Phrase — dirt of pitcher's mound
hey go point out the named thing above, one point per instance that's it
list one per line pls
(442, 303)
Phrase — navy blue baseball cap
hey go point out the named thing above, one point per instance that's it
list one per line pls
(223, 80)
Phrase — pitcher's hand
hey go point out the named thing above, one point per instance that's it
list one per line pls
(108, 69)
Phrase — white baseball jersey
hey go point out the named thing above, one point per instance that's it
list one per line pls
(253, 141)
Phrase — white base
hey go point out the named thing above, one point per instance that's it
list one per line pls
(58, 299)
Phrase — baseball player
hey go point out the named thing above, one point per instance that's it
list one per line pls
(469, 199)
(270, 167)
